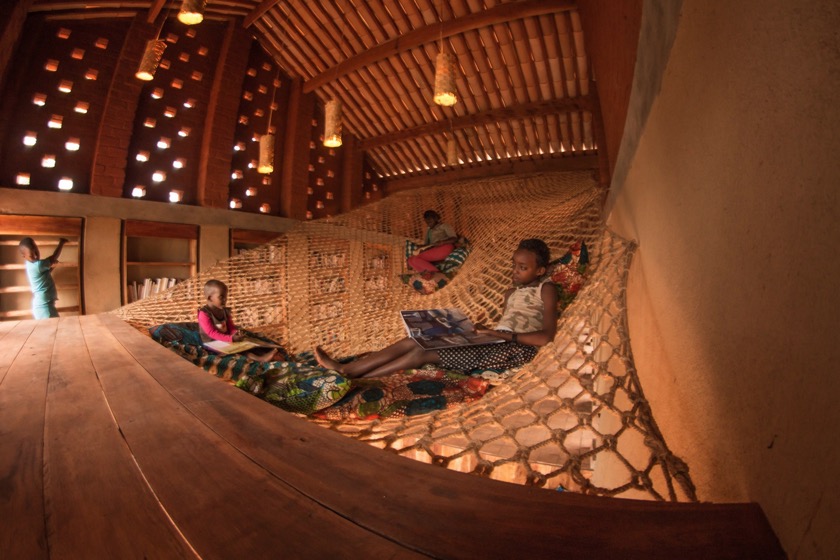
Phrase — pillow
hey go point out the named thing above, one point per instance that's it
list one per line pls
(182, 333)
(568, 273)
(428, 283)
(456, 258)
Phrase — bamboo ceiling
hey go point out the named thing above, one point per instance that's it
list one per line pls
(522, 73)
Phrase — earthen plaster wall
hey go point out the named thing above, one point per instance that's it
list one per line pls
(732, 194)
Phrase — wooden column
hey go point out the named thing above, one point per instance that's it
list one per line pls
(115, 129)
(351, 174)
(295, 163)
(213, 185)
(601, 140)
(12, 18)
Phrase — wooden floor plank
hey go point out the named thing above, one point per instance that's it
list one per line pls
(443, 513)
(226, 505)
(6, 326)
(90, 475)
(11, 343)
(22, 402)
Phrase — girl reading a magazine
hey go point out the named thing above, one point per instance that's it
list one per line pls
(529, 321)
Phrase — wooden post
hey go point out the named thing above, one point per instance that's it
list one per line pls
(115, 128)
(12, 18)
(351, 174)
(295, 164)
(213, 188)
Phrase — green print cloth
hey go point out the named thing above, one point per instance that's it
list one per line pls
(297, 387)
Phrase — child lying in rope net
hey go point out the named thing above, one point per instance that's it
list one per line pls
(253, 362)
(529, 321)
(387, 383)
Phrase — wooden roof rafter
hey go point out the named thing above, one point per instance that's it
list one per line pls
(258, 12)
(429, 33)
(154, 10)
(493, 115)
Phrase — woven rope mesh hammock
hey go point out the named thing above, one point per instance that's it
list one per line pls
(575, 417)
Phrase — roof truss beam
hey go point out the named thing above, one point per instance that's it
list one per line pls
(494, 169)
(257, 13)
(422, 35)
(523, 111)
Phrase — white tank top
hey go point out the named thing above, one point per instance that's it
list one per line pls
(524, 311)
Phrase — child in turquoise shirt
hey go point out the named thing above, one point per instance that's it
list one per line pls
(39, 272)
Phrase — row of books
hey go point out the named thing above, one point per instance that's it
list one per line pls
(148, 287)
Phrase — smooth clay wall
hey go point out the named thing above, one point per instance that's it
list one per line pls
(733, 297)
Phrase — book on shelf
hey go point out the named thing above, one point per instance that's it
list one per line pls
(238, 347)
(443, 328)
(149, 286)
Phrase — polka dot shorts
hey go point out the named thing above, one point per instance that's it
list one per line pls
(486, 356)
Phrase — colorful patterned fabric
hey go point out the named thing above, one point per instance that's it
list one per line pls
(569, 273)
(428, 283)
(296, 387)
(408, 393)
(293, 386)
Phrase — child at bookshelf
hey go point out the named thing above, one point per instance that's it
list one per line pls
(529, 321)
(216, 323)
(39, 272)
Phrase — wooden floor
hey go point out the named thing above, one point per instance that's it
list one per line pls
(111, 446)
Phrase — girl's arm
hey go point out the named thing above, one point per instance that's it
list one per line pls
(452, 236)
(481, 329)
(546, 334)
(205, 323)
(231, 328)
(57, 253)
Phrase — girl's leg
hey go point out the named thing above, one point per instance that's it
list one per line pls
(414, 358)
(368, 363)
(423, 261)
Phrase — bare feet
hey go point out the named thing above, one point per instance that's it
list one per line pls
(326, 361)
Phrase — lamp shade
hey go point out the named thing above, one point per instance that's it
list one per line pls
(151, 59)
(445, 93)
(192, 11)
(266, 164)
(332, 124)
(452, 152)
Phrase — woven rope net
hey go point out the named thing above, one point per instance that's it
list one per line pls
(575, 417)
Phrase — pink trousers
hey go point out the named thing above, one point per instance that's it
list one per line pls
(423, 261)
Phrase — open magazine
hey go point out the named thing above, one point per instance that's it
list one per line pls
(243, 345)
(443, 328)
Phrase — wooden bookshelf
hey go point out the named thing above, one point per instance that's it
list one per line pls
(155, 250)
(246, 239)
(15, 292)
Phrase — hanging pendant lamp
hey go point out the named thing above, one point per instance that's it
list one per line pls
(445, 93)
(452, 152)
(266, 164)
(151, 59)
(332, 123)
(192, 11)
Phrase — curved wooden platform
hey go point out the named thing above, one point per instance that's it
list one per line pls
(111, 446)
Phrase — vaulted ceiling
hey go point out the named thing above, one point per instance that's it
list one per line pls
(523, 80)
